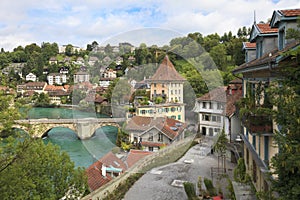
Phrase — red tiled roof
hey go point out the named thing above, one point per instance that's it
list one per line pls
(53, 88)
(250, 45)
(231, 101)
(111, 159)
(266, 28)
(164, 124)
(152, 144)
(135, 155)
(95, 178)
(266, 58)
(221, 94)
(218, 94)
(290, 12)
(166, 72)
(170, 123)
(35, 84)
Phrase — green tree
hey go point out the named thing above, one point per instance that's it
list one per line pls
(69, 50)
(42, 100)
(39, 171)
(287, 162)
(285, 96)
(218, 54)
(108, 49)
(29, 169)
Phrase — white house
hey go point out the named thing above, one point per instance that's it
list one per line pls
(30, 77)
(216, 111)
(56, 78)
(81, 76)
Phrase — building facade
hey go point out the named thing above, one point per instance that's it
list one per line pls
(258, 130)
(166, 93)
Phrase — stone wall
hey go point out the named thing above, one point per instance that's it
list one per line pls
(102, 192)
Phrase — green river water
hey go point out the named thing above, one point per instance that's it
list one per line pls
(82, 152)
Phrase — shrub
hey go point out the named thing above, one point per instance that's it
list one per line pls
(189, 189)
(210, 187)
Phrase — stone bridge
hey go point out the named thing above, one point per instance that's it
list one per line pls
(84, 128)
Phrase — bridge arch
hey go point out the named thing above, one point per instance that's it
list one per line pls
(46, 134)
(43, 130)
(100, 125)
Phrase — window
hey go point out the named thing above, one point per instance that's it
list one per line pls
(150, 138)
(143, 112)
(214, 118)
(154, 84)
(217, 130)
(219, 106)
(210, 105)
(175, 91)
(203, 104)
(266, 150)
(163, 85)
(205, 117)
(172, 92)
(160, 137)
(173, 109)
(281, 37)
(179, 117)
(211, 132)
(218, 118)
(254, 141)
(150, 148)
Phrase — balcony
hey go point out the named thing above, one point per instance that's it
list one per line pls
(258, 124)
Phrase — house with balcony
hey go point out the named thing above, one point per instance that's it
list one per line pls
(166, 94)
(258, 127)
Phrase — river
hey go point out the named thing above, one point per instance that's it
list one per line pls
(82, 152)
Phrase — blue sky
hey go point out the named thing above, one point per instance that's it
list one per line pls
(80, 22)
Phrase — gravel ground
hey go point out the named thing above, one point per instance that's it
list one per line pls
(156, 184)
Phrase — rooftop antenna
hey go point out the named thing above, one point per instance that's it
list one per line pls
(254, 17)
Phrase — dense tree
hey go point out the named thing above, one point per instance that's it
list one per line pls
(29, 49)
(29, 169)
(218, 54)
(4, 60)
(48, 50)
(69, 50)
(108, 49)
(286, 98)
(42, 100)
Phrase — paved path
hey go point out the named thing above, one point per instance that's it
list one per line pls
(156, 184)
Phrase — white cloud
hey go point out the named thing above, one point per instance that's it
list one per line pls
(79, 22)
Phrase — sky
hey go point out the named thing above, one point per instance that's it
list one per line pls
(80, 22)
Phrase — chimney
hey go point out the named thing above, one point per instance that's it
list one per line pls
(103, 170)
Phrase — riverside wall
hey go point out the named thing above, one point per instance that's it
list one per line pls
(103, 191)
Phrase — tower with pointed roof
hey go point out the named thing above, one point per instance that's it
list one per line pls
(166, 85)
